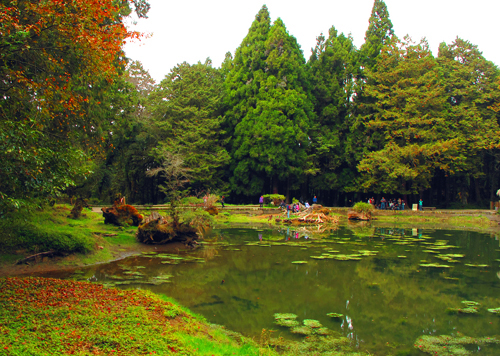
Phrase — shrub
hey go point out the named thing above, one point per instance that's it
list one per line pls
(30, 237)
(276, 199)
(362, 207)
(191, 201)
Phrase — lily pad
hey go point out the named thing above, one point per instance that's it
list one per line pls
(285, 316)
(304, 330)
(311, 323)
(471, 303)
(299, 262)
(335, 315)
(401, 256)
(170, 262)
(435, 265)
(289, 323)
(468, 310)
(319, 257)
(494, 310)
(355, 257)
(474, 265)
(322, 331)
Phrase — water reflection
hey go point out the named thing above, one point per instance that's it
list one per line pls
(386, 296)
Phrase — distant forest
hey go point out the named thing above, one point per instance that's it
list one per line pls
(388, 119)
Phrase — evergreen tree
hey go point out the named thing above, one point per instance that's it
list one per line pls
(333, 67)
(379, 33)
(471, 88)
(246, 70)
(410, 136)
(186, 110)
(271, 139)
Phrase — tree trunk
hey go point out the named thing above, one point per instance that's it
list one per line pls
(275, 185)
(288, 190)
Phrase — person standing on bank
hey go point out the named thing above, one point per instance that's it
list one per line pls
(315, 200)
(261, 201)
(222, 201)
(420, 205)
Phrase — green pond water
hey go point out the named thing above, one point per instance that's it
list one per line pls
(390, 285)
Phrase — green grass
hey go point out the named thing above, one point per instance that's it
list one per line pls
(55, 317)
(451, 220)
(51, 229)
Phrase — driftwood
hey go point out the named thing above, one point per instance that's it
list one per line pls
(312, 215)
(37, 255)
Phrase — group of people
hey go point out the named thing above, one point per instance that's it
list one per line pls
(391, 204)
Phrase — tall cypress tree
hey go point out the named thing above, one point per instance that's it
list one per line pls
(410, 137)
(471, 87)
(379, 33)
(333, 67)
(243, 73)
(270, 140)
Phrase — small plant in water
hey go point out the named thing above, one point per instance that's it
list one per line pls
(335, 315)
(446, 345)
(285, 316)
(494, 311)
(312, 323)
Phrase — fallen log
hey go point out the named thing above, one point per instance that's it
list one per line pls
(37, 255)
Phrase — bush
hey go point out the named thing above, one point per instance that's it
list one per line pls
(191, 201)
(276, 199)
(30, 237)
(198, 219)
(361, 207)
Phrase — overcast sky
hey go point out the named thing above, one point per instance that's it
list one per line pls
(192, 30)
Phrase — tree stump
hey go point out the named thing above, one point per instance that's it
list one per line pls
(158, 230)
(76, 212)
(121, 215)
(353, 215)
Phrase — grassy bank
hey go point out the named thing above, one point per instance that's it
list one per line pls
(55, 317)
(82, 241)
(440, 220)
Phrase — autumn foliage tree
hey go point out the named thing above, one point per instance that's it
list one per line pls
(57, 59)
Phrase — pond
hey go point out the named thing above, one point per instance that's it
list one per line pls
(391, 285)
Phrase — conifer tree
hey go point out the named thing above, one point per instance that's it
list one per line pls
(409, 134)
(379, 33)
(268, 108)
(333, 67)
(186, 110)
(246, 70)
(471, 88)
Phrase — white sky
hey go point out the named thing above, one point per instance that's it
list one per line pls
(192, 30)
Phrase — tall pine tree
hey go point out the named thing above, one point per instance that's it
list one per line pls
(272, 118)
(410, 136)
(333, 67)
(379, 33)
(471, 88)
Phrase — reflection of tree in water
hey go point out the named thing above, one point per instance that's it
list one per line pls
(361, 229)
(209, 252)
(412, 298)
